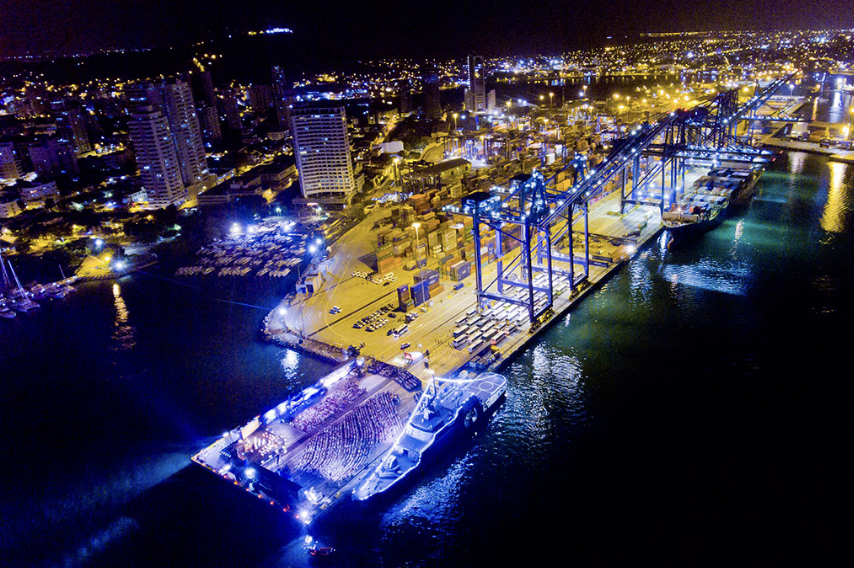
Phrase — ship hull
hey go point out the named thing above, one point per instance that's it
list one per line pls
(744, 194)
(692, 230)
(467, 424)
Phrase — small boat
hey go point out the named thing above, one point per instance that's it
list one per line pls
(39, 292)
(21, 299)
(23, 304)
(57, 290)
(5, 311)
(64, 285)
(321, 551)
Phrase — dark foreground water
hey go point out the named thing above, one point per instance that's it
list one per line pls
(692, 411)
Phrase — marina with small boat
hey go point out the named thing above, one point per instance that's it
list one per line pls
(14, 297)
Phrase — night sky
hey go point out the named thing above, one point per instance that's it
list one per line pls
(417, 28)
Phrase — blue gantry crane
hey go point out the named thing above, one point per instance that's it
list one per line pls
(536, 215)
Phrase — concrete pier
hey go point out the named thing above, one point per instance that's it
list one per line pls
(328, 333)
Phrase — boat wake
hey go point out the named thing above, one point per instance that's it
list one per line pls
(725, 281)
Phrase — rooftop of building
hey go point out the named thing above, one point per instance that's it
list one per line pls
(319, 105)
(445, 166)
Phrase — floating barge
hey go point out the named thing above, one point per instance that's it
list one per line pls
(321, 444)
(308, 452)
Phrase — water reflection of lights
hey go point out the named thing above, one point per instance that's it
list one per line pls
(837, 204)
(739, 231)
(709, 276)
(291, 361)
(796, 162)
(121, 308)
(432, 500)
(124, 334)
(641, 280)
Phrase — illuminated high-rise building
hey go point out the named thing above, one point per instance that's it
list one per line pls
(477, 84)
(186, 132)
(10, 167)
(203, 89)
(209, 123)
(323, 149)
(432, 102)
(54, 157)
(204, 95)
(154, 147)
(279, 79)
(405, 97)
(260, 98)
(71, 126)
(230, 109)
(282, 97)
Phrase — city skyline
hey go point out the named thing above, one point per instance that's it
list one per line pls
(386, 30)
(392, 282)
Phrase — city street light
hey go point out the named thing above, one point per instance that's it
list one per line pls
(282, 311)
(847, 129)
(397, 171)
(455, 115)
(551, 96)
(420, 268)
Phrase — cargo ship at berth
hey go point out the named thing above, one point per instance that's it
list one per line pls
(707, 204)
(447, 405)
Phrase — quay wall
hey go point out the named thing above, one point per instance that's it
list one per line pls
(503, 360)
(311, 347)
(115, 275)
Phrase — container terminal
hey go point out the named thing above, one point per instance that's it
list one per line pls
(394, 332)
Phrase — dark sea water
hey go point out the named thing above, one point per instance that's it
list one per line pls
(691, 411)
